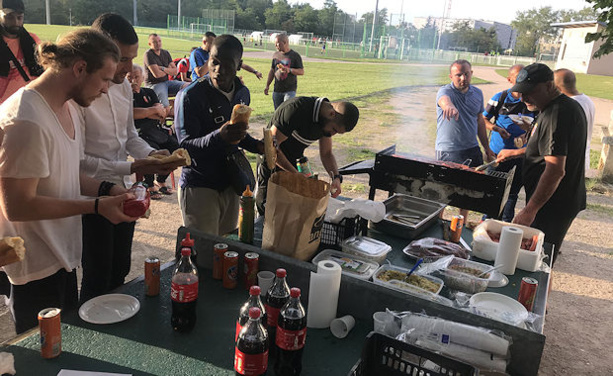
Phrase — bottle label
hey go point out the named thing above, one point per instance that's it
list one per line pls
(184, 293)
(273, 315)
(238, 329)
(250, 364)
(291, 340)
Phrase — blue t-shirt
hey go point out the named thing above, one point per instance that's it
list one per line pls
(461, 134)
(198, 58)
(511, 106)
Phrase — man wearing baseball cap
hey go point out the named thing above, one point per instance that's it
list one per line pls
(554, 157)
(17, 61)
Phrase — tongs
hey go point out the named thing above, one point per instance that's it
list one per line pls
(486, 165)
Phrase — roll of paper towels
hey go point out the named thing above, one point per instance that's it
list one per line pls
(323, 294)
(508, 249)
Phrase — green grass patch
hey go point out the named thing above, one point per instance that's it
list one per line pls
(354, 188)
(503, 72)
(602, 209)
(594, 159)
(358, 154)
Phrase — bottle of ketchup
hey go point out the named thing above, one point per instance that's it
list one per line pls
(139, 205)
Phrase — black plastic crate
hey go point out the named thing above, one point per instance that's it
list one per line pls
(383, 355)
(333, 234)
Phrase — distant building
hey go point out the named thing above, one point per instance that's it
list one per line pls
(506, 35)
(577, 55)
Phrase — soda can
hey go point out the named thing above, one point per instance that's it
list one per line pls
(218, 250)
(457, 222)
(251, 268)
(230, 269)
(152, 276)
(50, 332)
(527, 292)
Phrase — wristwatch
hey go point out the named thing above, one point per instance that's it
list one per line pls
(339, 177)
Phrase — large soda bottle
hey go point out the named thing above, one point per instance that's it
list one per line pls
(291, 336)
(184, 293)
(253, 301)
(251, 351)
(304, 167)
(277, 296)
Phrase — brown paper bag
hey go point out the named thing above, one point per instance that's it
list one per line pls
(295, 209)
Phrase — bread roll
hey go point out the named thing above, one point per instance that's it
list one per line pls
(11, 250)
(180, 155)
(270, 152)
(240, 114)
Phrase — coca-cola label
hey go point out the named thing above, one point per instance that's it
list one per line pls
(273, 315)
(291, 340)
(238, 329)
(183, 293)
(250, 364)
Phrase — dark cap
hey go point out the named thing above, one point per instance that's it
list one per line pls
(530, 76)
(11, 6)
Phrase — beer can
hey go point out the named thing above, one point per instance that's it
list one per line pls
(251, 268)
(218, 250)
(527, 292)
(230, 269)
(152, 276)
(457, 222)
(50, 332)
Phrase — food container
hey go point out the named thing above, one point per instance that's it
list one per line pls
(463, 280)
(404, 286)
(365, 247)
(407, 216)
(485, 248)
(352, 265)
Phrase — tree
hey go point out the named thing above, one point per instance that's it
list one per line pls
(326, 18)
(603, 8)
(531, 26)
(585, 14)
(306, 18)
(278, 14)
(382, 17)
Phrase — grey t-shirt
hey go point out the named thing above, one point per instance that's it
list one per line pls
(163, 60)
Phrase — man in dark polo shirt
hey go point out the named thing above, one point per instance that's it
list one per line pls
(554, 165)
(286, 66)
(296, 124)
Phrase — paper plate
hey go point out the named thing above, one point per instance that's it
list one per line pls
(497, 279)
(525, 119)
(109, 309)
(499, 307)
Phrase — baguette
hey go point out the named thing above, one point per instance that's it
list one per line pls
(240, 114)
(270, 152)
(179, 155)
(11, 250)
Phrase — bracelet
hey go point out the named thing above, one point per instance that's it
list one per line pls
(339, 177)
(105, 188)
(96, 205)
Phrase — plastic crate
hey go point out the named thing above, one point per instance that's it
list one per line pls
(333, 234)
(383, 355)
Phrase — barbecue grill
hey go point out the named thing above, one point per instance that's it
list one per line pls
(445, 182)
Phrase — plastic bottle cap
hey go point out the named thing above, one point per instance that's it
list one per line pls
(187, 242)
(281, 273)
(186, 251)
(254, 312)
(255, 290)
(247, 192)
(294, 292)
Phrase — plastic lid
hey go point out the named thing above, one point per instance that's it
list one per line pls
(186, 251)
(247, 192)
(281, 273)
(294, 292)
(187, 242)
(352, 265)
(366, 246)
(254, 312)
(255, 290)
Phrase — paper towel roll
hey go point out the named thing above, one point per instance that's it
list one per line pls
(508, 249)
(323, 294)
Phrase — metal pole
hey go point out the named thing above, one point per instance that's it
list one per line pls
(135, 15)
(438, 45)
(47, 12)
(374, 21)
(179, 14)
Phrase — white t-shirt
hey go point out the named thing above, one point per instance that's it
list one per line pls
(36, 146)
(590, 113)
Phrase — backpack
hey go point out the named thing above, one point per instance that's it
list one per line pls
(503, 96)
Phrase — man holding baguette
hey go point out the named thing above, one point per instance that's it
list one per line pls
(203, 111)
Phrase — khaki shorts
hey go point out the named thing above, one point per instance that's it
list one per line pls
(208, 210)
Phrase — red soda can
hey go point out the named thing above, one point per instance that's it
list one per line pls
(230, 269)
(152, 276)
(50, 332)
(251, 268)
(527, 292)
(457, 221)
(218, 250)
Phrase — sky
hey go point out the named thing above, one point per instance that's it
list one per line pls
(488, 10)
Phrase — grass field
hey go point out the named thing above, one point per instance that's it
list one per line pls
(590, 84)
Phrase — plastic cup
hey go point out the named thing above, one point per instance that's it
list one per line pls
(265, 279)
(382, 320)
(341, 326)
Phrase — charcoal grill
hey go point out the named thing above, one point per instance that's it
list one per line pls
(445, 182)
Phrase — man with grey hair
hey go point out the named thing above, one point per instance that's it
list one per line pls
(286, 66)
(566, 81)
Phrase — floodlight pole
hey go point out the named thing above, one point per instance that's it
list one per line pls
(179, 14)
(47, 12)
(135, 16)
(374, 21)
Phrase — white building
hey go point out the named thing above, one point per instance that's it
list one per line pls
(506, 35)
(577, 55)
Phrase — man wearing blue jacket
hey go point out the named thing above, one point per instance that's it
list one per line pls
(202, 110)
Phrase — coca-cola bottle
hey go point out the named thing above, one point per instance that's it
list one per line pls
(277, 296)
(184, 293)
(251, 351)
(253, 301)
(291, 336)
